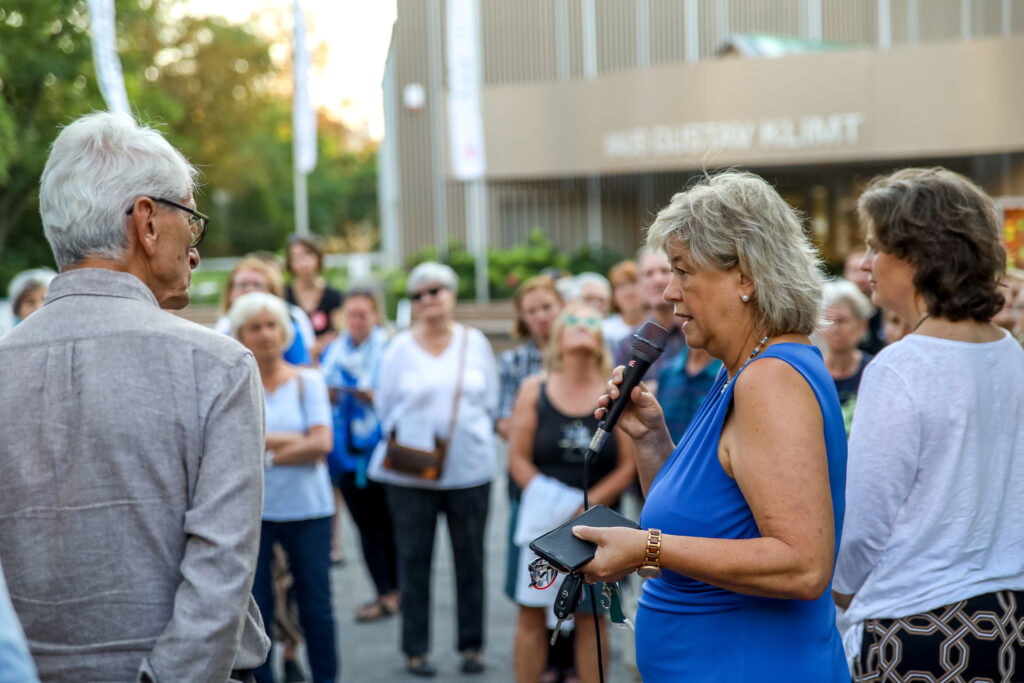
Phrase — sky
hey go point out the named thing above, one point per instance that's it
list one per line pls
(356, 34)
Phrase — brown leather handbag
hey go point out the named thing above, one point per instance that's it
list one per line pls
(427, 464)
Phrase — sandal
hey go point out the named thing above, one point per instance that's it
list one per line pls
(472, 662)
(420, 666)
(374, 611)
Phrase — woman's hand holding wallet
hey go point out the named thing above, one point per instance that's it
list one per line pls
(620, 550)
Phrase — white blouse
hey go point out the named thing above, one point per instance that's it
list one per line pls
(935, 478)
(414, 398)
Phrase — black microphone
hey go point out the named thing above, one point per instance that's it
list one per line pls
(648, 343)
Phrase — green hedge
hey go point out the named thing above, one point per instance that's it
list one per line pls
(507, 268)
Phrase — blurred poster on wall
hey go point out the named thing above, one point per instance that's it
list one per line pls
(1013, 234)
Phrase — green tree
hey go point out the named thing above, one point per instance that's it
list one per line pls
(210, 86)
(45, 55)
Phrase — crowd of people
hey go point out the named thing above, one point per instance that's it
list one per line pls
(809, 490)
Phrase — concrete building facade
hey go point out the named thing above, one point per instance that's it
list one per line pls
(594, 112)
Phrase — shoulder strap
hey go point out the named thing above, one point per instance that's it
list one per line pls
(302, 398)
(458, 386)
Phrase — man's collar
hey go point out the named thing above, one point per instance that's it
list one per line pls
(99, 282)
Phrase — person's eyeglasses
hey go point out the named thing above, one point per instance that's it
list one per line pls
(433, 291)
(197, 222)
(245, 286)
(590, 322)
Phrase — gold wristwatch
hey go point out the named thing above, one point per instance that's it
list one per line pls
(651, 568)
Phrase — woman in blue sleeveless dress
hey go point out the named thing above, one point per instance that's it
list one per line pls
(743, 518)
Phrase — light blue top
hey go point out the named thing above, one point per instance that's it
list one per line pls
(15, 663)
(361, 363)
(296, 492)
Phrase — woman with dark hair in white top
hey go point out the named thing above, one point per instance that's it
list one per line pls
(930, 566)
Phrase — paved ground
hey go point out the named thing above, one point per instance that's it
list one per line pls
(370, 652)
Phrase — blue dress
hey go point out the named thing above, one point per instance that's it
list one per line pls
(688, 630)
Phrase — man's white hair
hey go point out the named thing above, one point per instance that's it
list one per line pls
(98, 166)
(251, 303)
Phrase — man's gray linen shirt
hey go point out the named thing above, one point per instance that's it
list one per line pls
(131, 486)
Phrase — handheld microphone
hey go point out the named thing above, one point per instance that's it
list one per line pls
(648, 343)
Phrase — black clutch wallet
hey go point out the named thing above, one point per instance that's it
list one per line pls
(565, 552)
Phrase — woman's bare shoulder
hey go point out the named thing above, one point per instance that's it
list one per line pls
(773, 384)
(530, 388)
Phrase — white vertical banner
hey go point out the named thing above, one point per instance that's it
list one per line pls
(303, 114)
(104, 56)
(465, 124)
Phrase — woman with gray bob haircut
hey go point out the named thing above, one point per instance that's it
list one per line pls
(298, 504)
(742, 518)
(83, 204)
(248, 305)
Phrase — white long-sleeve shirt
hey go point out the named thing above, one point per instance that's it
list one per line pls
(935, 478)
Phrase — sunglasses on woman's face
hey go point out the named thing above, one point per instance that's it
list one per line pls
(433, 291)
(590, 322)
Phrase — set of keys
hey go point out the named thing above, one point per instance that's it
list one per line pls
(566, 600)
(569, 597)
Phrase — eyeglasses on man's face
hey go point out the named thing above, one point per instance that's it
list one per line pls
(197, 222)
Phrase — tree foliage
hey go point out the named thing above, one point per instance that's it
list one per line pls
(213, 89)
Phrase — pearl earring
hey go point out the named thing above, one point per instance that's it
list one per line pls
(745, 298)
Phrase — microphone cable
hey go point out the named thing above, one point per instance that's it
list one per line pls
(648, 343)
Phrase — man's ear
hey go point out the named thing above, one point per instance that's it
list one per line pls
(142, 226)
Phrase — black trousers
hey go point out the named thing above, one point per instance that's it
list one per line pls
(369, 509)
(414, 512)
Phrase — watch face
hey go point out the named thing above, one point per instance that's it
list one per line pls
(649, 572)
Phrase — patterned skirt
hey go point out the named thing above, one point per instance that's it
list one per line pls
(978, 640)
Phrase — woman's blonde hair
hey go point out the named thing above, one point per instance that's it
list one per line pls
(553, 352)
(274, 283)
(737, 218)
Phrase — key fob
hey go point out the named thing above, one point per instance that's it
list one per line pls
(568, 596)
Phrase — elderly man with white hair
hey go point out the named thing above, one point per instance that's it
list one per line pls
(131, 440)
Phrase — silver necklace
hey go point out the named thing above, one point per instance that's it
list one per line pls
(757, 350)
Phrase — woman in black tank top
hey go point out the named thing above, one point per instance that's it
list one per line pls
(552, 424)
(560, 443)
